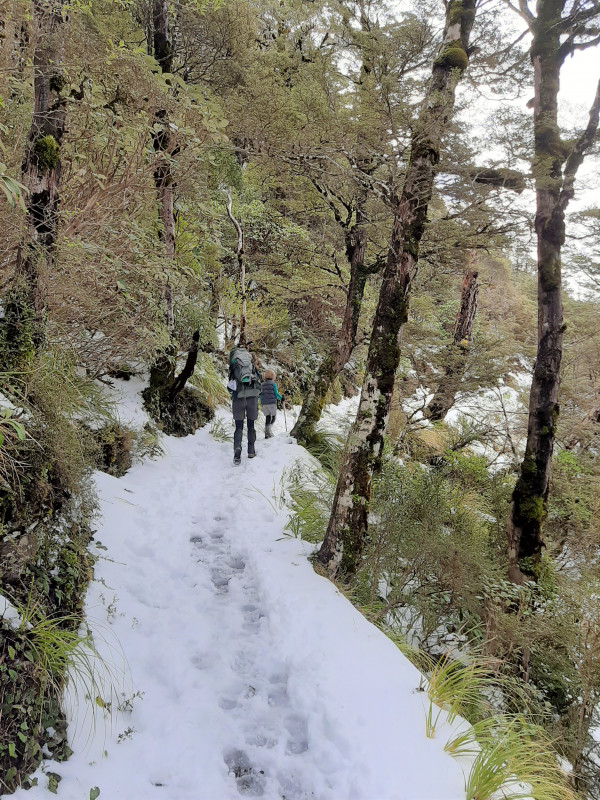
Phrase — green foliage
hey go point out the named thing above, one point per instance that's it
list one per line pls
(18, 330)
(10, 427)
(147, 442)
(458, 687)
(13, 190)
(36, 658)
(431, 543)
(219, 432)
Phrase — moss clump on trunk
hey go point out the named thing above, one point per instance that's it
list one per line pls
(17, 331)
(453, 57)
(47, 153)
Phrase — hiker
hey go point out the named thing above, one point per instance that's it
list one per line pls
(268, 401)
(244, 386)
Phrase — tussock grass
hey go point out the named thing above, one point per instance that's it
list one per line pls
(310, 493)
(63, 650)
(209, 383)
(516, 761)
(219, 431)
(327, 448)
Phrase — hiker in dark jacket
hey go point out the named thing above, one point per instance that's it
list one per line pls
(244, 386)
(268, 401)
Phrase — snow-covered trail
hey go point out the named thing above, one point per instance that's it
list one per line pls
(251, 675)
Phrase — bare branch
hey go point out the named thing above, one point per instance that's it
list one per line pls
(578, 153)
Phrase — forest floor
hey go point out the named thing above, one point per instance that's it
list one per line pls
(232, 669)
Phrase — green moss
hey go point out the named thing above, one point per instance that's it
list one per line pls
(529, 467)
(532, 509)
(452, 57)
(458, 14)
(47, 152)
(17, 335)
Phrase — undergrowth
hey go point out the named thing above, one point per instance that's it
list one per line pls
(432, 572)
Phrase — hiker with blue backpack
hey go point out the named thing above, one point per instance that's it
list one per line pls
(244, 386)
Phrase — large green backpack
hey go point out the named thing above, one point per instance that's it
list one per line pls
(243, 368)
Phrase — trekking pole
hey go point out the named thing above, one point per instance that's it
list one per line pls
(284, 416)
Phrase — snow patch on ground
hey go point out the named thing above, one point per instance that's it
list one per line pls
(125, 395)
(9, 613)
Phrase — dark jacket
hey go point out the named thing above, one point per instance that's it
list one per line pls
(269, 394)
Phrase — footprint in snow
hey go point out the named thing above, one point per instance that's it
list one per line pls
(257, 699)
(220, 579)
(298, 730)
(250, 781)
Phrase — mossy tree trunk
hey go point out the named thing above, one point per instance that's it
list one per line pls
(348, 525)
(163, 141)
(554, 167)
(332, 365)
(449, 385)
(239, 254)
(162, 371)
(41, 168)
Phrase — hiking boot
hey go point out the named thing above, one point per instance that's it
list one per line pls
(251, 451)
(237, 457)
(268, 431)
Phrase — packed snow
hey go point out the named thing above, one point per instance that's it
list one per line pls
(232, 668)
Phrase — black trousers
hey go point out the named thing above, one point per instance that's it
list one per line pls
(239, 432)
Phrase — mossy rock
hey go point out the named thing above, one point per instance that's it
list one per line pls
(15, 554)
(114, 449)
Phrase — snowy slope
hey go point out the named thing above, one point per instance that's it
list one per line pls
(248, 674)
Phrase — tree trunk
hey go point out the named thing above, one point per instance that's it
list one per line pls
(312, 407)
(554, 190)
(239, 253)
(162, 371)
(445, 395)
(348, 525)
(41, 166)
(164, 144)
(188, 368)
